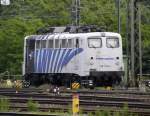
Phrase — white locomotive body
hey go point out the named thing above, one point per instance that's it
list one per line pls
(61, 58)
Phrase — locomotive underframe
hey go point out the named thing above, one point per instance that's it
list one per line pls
(65, 79)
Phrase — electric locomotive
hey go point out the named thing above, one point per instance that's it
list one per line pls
(73, 54)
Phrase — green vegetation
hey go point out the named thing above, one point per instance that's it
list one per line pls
(4, 104)
(32, 106)
(24, 17)
(108, 112)
(124, 111)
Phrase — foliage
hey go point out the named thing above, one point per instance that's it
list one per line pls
(123, 112)
(32, 106)
(4, 105)
(24, 17)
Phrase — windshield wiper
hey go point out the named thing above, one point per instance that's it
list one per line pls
(93, 46)
(110, 46)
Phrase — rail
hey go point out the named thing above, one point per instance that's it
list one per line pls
(25, 114)
(137, 104)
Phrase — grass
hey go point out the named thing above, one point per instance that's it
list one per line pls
(4, 105)
(102, 112)
(32, 106)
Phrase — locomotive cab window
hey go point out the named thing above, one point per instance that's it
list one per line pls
(94, 42)
(112, 42)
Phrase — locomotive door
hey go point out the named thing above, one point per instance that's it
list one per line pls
(30, 55)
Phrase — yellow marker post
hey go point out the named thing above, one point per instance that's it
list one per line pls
(75, 104)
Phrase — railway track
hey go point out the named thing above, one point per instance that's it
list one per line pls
(121, 92)
(96, 103)
(25, 114)
(108, 97)
(108, 92)
(137, 103)
(85, 110)
(23, 90)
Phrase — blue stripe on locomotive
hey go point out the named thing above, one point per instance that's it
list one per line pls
(53, 60)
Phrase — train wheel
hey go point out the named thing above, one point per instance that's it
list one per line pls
(26, 84)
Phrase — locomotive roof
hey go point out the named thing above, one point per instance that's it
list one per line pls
(71, 35)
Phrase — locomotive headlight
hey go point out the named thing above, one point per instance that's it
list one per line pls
(117, 63)
(120, 68)
(91, 63)
(91, 60)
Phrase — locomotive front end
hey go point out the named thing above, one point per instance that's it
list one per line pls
(105, 58)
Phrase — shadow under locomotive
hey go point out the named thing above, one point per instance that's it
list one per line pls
(59, 79)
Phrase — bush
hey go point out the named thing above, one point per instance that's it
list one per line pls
(4, 105)
(32, 106)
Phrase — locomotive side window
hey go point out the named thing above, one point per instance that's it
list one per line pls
(94, 42)
(50, 43)
(43, 43)
(112, 42)
(64, 43)
(38, 44)
(70, 43)
(56, 43)
(77, 43)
